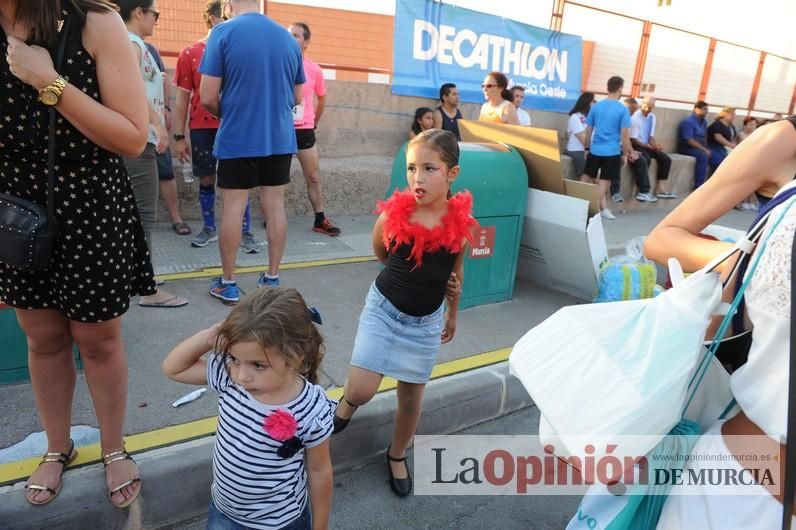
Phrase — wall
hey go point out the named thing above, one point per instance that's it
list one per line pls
(357, 41)
(362, 40)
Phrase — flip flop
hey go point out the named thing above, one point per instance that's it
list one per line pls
(181, 228)
(167, 303)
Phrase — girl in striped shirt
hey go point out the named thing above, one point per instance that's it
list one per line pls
(274, 422)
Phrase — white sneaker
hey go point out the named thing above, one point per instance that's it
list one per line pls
(646, 197)
(606, 214)
(617, 197)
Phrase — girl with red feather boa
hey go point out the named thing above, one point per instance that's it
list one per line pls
(421, 237)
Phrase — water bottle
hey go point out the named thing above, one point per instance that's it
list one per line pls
(187, 174)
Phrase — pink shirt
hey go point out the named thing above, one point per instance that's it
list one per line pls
(304, 114)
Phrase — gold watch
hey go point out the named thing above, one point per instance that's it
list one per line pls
(51, 94)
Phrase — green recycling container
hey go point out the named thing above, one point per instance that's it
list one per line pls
(496, 176)
(14, 348)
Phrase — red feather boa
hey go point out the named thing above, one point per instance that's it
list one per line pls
(457, 224)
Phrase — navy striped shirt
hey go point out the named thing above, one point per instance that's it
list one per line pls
(252, 485)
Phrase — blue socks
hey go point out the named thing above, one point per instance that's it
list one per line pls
(207, 202)
(247, 220)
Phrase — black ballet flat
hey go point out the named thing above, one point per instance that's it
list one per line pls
(400, 486)
(341, 423)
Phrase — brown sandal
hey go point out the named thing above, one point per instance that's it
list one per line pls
(60, 458)
(118, 456)
(181, 228)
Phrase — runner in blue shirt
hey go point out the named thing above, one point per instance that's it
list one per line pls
(607, 142)
(253, 89)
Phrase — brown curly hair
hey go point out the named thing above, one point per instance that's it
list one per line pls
(277, 319)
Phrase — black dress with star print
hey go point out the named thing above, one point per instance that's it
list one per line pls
(101, 258)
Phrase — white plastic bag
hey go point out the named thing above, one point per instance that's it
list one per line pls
(712, 399)
(621, 368)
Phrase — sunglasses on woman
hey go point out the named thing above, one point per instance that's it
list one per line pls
(156, 13)
(488, 85)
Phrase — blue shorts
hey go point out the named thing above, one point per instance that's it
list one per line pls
(165, 166)
(202, 159)
(395, 344)
(217, 520)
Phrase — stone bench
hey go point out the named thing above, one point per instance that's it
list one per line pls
(681, 176)
(351, 185)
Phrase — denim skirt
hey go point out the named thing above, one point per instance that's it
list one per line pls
(395, 344)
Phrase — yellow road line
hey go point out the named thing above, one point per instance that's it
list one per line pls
(216, 271)
(136, 443)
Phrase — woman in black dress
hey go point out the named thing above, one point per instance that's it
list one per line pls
(101, 258)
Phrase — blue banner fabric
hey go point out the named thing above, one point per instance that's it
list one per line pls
(436, 43)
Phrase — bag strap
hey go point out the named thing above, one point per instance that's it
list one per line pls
(790, 444)
(704, 364)
(746, 246)
(59, 60)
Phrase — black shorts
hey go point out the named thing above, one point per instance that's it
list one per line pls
(202, 159)
(248, 173)
(609, 167)
(165, 166)
(305, 138)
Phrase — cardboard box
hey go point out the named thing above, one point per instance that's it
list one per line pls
(562, 247)
(563, 243)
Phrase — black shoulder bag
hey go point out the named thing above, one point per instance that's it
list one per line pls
(28, 230)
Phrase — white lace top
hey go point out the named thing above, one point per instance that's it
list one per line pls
(761, 385)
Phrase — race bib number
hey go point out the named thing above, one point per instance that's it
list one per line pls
(298, 112)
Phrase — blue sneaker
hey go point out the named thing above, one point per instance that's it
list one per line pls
(265, 281)
(227, 293)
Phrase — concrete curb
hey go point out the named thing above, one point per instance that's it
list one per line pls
(177, 478)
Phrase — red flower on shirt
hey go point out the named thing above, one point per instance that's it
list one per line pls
(280, 425)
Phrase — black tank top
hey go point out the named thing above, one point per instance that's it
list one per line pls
(417, 292)
(451, 124)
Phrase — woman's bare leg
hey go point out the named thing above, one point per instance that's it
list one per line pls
(105, 364)
(52, 375)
